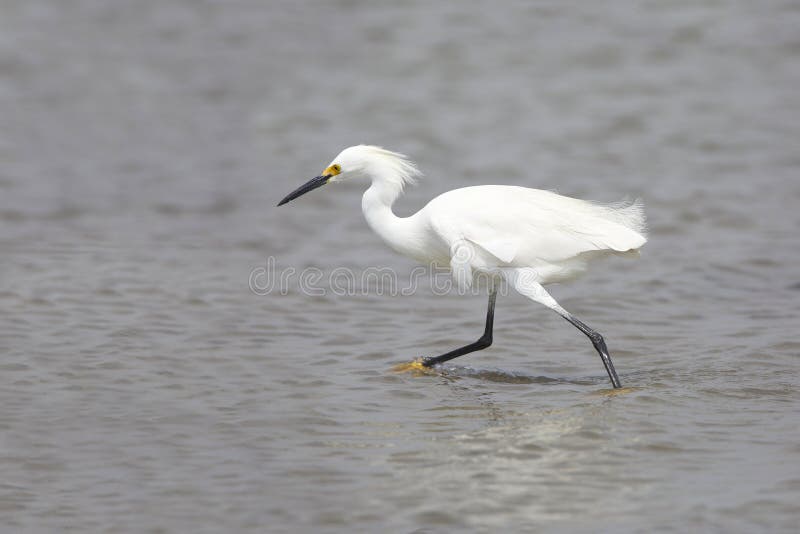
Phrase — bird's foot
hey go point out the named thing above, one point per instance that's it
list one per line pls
(417, 367)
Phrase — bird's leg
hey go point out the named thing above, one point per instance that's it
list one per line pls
(524, 280)
(599, 345)
(484, 341)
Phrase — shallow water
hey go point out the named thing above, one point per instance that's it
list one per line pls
(146, 387)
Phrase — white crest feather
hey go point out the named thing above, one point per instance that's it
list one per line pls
(396, 167)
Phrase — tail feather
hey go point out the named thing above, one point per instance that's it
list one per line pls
(628, 228)
(629, 214)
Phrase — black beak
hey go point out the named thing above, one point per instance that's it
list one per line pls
(310, 185)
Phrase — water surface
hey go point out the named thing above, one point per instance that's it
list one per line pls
(145, 387)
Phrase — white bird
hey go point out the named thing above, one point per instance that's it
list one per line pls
(528, 237)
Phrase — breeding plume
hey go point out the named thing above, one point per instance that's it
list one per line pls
(527, 237)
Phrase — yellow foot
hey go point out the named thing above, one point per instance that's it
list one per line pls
(414, 367)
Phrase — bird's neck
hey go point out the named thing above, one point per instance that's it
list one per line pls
(397, 232)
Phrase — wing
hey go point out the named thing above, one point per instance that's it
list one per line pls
(519, 226)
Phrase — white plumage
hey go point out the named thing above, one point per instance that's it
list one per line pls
(501, 226)
(529, 237)
(520, 227)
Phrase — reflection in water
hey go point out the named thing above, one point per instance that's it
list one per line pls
(507, 377)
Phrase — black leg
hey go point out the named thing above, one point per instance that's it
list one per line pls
(599, 345)
(484, 341)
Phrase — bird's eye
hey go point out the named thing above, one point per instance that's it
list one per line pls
(337, 168)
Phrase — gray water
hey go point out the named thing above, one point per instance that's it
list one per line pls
(146, 388)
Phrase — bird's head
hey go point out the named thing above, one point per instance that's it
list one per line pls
(360, 161)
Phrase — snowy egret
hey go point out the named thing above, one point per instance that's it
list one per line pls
(527, 237)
